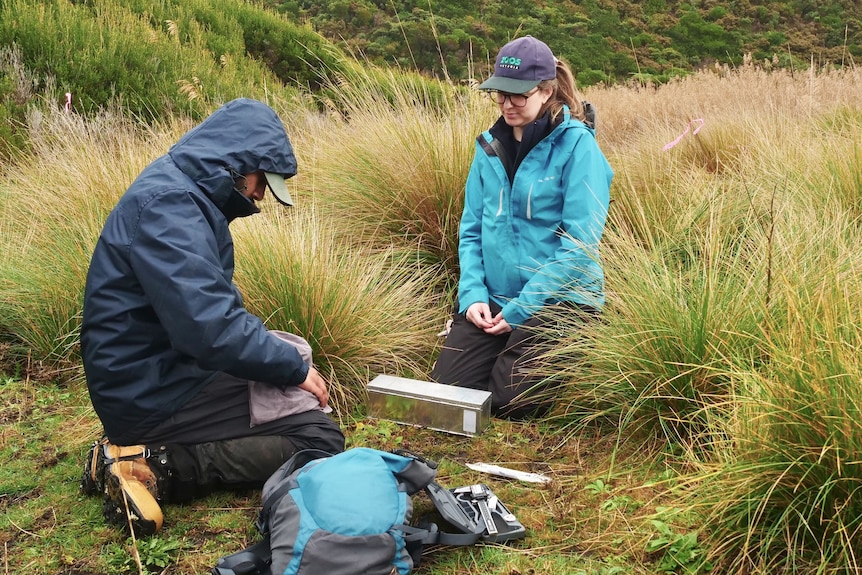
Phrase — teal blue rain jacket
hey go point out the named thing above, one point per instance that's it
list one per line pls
(535, 242)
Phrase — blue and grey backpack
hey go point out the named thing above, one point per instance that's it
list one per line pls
(350, 513)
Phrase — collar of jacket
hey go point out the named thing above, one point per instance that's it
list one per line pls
(503, 143)
(238, 206)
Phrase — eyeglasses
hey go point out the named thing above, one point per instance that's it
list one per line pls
(517, 100)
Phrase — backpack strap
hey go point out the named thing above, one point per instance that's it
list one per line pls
(253, 560)
(590, 115)
(431, 535)
(256, 559)
(416, 538)
(262, 522)
(495, 148)
(428, 533)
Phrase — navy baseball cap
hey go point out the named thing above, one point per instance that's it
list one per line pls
(521, 65)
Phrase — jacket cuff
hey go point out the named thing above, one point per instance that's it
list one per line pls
(299, 376)
(514, 314)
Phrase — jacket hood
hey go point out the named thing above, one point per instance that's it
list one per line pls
(242, 136)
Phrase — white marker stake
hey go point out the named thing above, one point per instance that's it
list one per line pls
(510, 473)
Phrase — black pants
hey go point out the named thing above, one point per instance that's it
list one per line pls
(501, 364)
(210, 442)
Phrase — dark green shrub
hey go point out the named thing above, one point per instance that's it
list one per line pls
(18, 88)
(164, 59)
(591, 77)
(12, 133)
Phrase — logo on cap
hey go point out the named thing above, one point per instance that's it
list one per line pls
(510, 62)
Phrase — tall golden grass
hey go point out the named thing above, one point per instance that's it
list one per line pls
(55, 202)
(392, 162)
(363, 311)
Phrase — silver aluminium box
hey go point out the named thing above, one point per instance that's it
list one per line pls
(449, 408)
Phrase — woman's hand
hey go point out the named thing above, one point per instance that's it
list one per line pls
(479, 314)
(500, 326)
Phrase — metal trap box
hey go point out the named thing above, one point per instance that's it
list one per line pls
(449, 408)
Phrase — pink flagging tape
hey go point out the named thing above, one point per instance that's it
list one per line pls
(681, 136)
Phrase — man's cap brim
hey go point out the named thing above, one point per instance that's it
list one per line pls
(509, 85)
(279, 188)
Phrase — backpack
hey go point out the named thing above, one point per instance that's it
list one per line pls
(350, 513)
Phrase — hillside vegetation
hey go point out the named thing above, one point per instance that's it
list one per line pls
(185, 56)
(158, 59)
(611, 41)
(155, 61)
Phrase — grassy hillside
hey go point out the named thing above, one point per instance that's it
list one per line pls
(156, 60)
(614, 41)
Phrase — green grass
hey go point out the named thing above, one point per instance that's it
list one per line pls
(47, 526)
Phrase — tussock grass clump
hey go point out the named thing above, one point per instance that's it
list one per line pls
(393, 167)
(782, 493)
(658, 357)
(53, 208)
(364, 312)
(698, 235)
(787, 496)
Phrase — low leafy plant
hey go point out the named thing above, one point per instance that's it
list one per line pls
(380, 434)
(598, 487)
(155, 553)
(621, 503)
(678, 552)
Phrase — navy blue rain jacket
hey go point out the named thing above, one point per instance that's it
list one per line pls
(161, 313)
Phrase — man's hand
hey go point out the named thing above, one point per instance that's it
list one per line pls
(315, 383)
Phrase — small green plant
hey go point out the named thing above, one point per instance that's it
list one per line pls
(620, 503)
(382, 434)
(511, 438)
(603, 570)
(679, 552)
(155, 553)
(598, 487)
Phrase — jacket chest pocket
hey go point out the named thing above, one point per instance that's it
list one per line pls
(542, 201)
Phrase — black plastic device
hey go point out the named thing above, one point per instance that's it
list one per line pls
(476, 509)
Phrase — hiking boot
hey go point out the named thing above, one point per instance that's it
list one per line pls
(128, 484)
(130, 496)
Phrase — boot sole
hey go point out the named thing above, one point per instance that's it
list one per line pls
(88, 484)
(144, 512)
